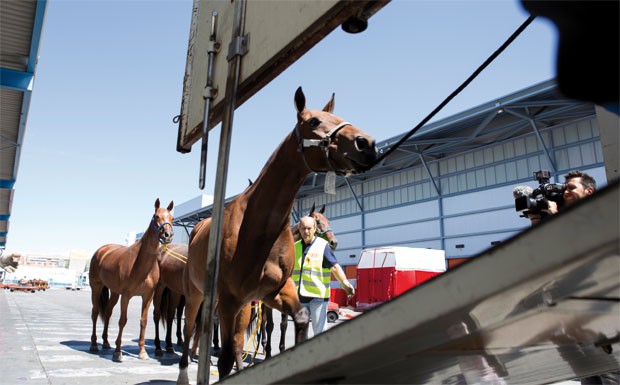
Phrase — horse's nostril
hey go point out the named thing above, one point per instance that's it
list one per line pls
(361, 143)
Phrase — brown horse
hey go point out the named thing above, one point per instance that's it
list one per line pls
(168, 293)
(169, 300)
(324, 231)
(127, 271)
(257, 251)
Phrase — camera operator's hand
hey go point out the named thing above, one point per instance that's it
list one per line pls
(534, 218)
(552, 207)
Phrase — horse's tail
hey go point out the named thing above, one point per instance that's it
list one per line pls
(163, 307)
(254, 315)
(104, 301)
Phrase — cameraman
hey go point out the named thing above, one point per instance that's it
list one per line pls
(578, 185)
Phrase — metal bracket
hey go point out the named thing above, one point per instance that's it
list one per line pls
(238, 46)
(209, 92)
(214, 47)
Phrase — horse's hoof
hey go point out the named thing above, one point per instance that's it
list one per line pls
(117, 357)
(159, 352)
(106, 345)
(93, 348)
(170, 349)
(183, 378)
(143, 356)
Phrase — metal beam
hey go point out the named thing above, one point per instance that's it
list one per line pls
(428, 170)
(532, 122)
(354, 195)
(16, 80)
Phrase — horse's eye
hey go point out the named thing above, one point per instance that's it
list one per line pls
(314, 122)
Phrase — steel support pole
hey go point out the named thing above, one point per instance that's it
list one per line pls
(215, 235)
(209, 94)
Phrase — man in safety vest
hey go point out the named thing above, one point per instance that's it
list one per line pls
(314, 263)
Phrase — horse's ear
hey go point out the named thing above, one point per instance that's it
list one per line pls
(300, 100)
(312, 209)
(157, 204)
(322, 210)
(171, 206)
(329, 107)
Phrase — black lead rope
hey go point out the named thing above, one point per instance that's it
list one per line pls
(459, 89)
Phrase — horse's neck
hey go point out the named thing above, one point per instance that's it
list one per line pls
(270, 198)
(146, 256)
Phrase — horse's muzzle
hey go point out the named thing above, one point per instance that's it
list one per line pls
(165, 237)
(333, 244)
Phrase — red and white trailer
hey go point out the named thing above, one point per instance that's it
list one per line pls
(387, 272)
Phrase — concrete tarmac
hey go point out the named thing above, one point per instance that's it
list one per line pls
(45, 339)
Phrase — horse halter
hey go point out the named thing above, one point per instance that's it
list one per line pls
(159, 228)
(328, 230)
(322, 143)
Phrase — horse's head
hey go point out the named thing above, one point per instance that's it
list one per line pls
(329, 143)
(323, 228)
(162, 222)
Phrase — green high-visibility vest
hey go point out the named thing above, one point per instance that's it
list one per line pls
(309, 275)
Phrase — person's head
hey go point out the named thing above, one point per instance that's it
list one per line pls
(578, 185)
(307, 228)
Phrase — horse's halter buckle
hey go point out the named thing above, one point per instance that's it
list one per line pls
(322, 143)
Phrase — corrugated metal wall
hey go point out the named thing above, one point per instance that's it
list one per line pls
(476, 205)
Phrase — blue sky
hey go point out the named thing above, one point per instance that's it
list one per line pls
(100, 145)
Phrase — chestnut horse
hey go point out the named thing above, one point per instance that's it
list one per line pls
(127, 271)
(168, 293)
(168, 299)
(257, 253)
(324, 231)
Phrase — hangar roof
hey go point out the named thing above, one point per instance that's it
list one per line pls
(21, 23)
(533, 108)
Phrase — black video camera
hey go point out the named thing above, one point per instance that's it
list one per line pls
(535, 202)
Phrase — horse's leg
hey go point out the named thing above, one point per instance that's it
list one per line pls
(191, 310)
(170, 313)
(157, 304)
(283, 327)
(234, 319)
(196, 338)
(216, 332)
(122, 321)
(106, 318)
(195, 342)
(96, 292)
(180, 308)
(267, 329)
(146, 304)
(287, 302)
